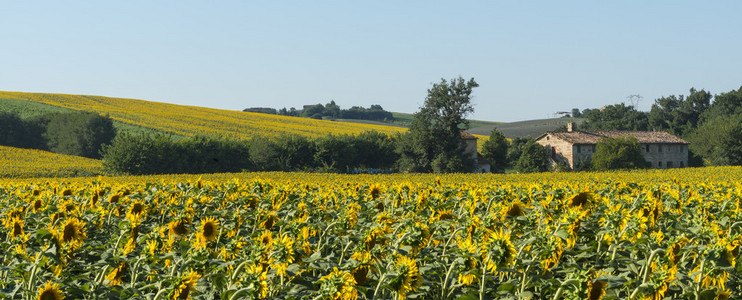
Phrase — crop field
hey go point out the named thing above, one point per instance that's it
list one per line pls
(191, 120)
(139, 115)
(22, 163)
(639, 235)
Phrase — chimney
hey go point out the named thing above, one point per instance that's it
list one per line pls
(570, 127)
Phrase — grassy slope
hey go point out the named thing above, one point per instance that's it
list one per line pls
(532, 128)
(19, 163)
(28, 109)
(404, 119)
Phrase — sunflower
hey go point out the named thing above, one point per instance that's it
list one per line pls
(137, 208)
(114, 278)
(374, 191)
(268, 223)
(723, 294)
(339, 285)
(178, 227)
(37, 205)
(209, 229)
(579, 200)
(266, 238)
(186, 286)
(554, 250)
(596, 289)
(361, 271)
(515, 209)
(16, 226)
(50, 292)
(408, 277)
(71, 233)
(502, 250)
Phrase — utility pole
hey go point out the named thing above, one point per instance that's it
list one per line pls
(634, 100)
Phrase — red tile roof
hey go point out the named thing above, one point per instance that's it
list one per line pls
(467, 136)
(592, 137)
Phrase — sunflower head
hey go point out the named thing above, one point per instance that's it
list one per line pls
(579, 199)
(16, 227)
(50, 292)
(114, 278)
(178, 227)
(338, 285)
(374, 191)
(186, 285)
(408, 277)
(71, 233)
(596, 289)
(209, 229)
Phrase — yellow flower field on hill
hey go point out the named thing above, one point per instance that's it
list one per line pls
(191, 120)
(17, 162)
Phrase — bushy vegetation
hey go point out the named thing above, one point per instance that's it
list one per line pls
(711, 123)
(618, 153)
(162, 154)
(331, 110)
(74, 133)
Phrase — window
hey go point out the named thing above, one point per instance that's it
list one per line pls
(659, 147)
(593, 148)
(647, 147)
(578, 149)
(659, 164)
(669, 164)
(682, 164)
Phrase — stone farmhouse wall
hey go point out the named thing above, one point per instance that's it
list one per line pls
(659, 155)
(662, 156)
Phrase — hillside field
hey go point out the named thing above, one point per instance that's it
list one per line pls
(23, 163)
(190, 120)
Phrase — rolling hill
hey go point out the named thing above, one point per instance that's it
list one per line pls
(530, 128)
(186, 120)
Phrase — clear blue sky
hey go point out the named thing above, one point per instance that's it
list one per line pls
(531, 58)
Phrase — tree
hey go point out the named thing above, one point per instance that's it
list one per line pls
(533, 158)
(433, 142)
(615, 117)
(332, 110)
(618, 153)
(79, 133)
(719, 140)
(678, 114)
(576, 113)
(496, 150)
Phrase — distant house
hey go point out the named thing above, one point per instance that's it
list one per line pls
(482, 164)
(661, 149)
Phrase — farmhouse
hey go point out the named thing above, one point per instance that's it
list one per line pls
(482, 164)
(661, 149)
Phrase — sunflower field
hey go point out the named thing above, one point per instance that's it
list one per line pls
(18, 162)
(625, 235)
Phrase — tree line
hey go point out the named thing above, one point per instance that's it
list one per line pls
(330, 110)
(75, 133)
(713, 128)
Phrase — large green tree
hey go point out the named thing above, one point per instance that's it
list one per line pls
(433, 142)
(532, 159)
(679, 115)
(719, 140)
(618, 153)
(615, 117)
(79, 133)
(496, 150)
